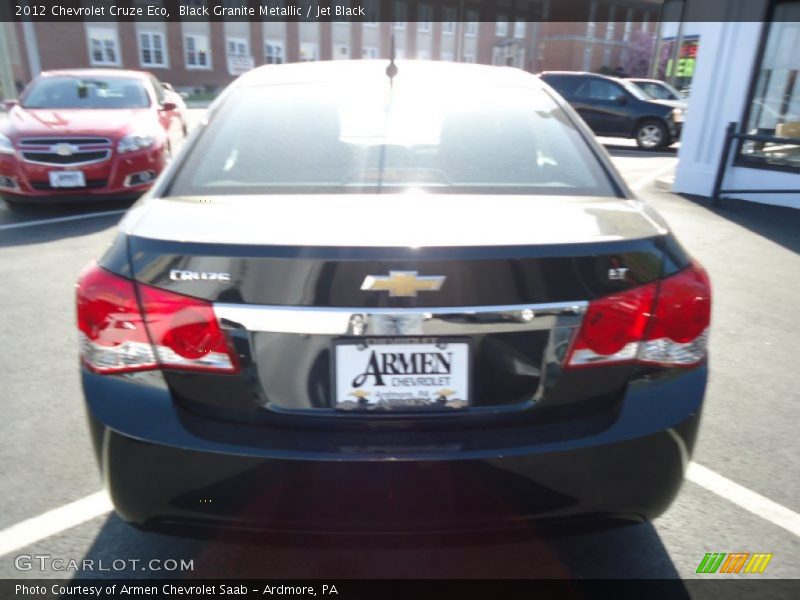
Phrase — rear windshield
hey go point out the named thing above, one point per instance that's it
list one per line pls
(309, 138)
(86, 92)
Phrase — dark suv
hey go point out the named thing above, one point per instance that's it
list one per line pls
(616, 108)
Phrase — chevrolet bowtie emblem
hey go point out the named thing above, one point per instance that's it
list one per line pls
(404, 284)
(63, 149)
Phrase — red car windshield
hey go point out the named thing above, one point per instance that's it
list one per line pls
(86, 92)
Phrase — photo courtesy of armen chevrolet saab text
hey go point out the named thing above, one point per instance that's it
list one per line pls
(392, 296)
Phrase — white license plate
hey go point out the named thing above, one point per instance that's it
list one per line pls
(401, 373)
(67, 179)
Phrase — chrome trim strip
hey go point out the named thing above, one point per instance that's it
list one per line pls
(392, 321)
(67, 165)
(38, 141)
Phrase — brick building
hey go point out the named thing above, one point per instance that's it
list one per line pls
(201, 55)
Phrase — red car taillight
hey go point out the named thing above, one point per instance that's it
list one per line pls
(664, 323)
(170, 330)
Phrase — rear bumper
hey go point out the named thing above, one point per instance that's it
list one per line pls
(158, 472)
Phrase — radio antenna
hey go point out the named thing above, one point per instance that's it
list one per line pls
(391, 70)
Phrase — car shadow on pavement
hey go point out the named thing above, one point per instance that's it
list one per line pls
(630, 552)
(780, 224)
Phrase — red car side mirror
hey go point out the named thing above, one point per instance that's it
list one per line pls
(169, 106)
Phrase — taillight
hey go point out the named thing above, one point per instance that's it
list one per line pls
(185, 332)
(663, 323)
(170, 330)
(112, 331)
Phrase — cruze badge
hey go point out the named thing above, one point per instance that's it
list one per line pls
(403, 284)
(180, 275)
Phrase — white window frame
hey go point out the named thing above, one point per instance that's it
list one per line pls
(449, 16)
(103, 35)
(501, 26)
(151, 35)
(448, 56)
(372, 8)
(237, 41)
(423, 54)
(400, 10)
(369, 52)
(197, 66)
(337, 55)
(305, 47)
(471, 27)
(520, 28)
(425, 20)
(274, 44)
(469, 58)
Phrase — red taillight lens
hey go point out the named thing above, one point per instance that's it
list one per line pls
(185, 332)
(172, 331)
(683, 310)
(659, 323)
(113, 335)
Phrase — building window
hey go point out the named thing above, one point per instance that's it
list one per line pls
(372, 10)
(626, 32)
(469, 58)
(501, 27)
(423, 54)
(237, 47)
(198, 52)
(448, 56)
(519, 30)
(341, 52)
(369, 52)
(309, 51)
(274, 53)
(399, 15)
(448, 21)
(425, 17)
(152, 49)
(774, 108)
(103, 47)
(471, 27)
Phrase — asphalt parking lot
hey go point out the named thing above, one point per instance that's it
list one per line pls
(741, 494)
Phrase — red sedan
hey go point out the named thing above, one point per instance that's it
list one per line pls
(87, 134)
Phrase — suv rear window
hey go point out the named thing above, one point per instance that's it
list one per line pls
(314, 138)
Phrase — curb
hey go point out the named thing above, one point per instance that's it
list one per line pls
(665, 183)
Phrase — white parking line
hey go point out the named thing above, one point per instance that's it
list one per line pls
(60, 219)
(70, 515)
(749, 500)
(53, 522)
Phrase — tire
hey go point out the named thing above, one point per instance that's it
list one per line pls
(652, 135)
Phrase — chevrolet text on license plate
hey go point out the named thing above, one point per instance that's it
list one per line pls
(401, 373)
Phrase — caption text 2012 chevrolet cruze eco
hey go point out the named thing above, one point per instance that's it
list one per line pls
(367, 300)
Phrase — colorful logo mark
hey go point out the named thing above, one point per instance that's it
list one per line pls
(735, 562)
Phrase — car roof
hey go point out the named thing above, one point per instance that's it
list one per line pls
(96, 73)
(644, 79)
(361, 70)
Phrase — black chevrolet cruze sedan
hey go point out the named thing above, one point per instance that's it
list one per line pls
(615, 107)
(367, 300)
